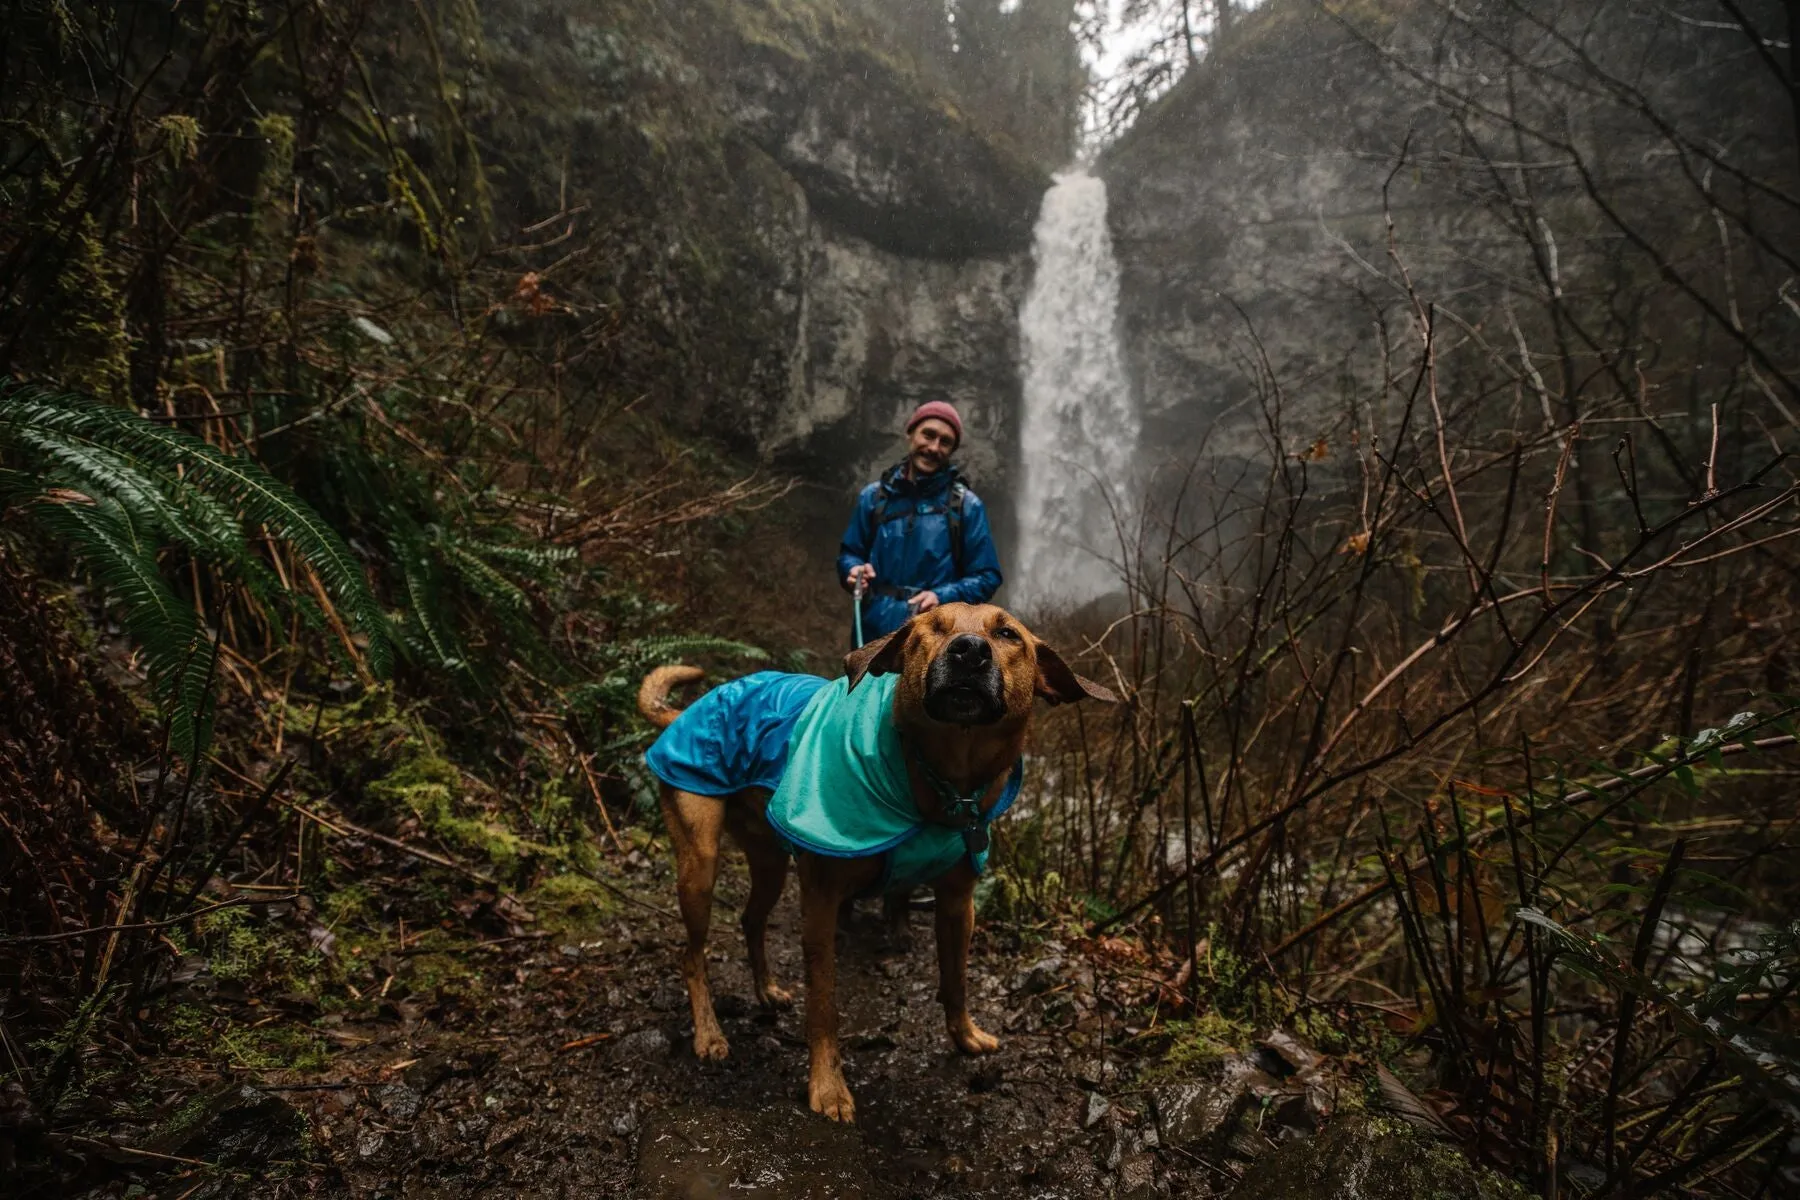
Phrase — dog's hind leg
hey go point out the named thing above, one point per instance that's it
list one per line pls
(695, 825)
(896, 918)
(768, 875)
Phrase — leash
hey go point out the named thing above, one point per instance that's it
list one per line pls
(856, 596)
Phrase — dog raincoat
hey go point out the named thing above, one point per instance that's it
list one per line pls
(839, 773)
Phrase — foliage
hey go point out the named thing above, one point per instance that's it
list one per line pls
(1459, 705)
(358, 409)
(116, 489)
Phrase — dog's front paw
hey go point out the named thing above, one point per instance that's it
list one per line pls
(772, 996)
(831, 1096)
(970, 1038)
(710, 1046)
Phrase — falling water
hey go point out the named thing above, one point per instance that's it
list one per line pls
(1080, 427)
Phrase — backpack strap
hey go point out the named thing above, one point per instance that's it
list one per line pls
(953, 512)
(878, 513)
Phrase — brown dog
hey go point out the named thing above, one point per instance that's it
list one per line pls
(969, 676)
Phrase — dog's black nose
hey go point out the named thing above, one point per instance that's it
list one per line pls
(969, 650)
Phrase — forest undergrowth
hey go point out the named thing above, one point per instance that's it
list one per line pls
(340, 523)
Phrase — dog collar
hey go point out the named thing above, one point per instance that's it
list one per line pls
(962, 810)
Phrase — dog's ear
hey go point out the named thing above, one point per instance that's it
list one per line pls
(1060, 685)
(879, 657)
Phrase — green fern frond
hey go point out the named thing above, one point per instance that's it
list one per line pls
(542, 561)
(155, 503)
(429, 634)
(115, 489)
(672, 647)
(616, 692)
(30, 413)
(486, 582)
(177, 656)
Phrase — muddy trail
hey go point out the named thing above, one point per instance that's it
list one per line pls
(578, 1078)
(541, 1047)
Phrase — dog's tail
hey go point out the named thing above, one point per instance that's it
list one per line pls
(653, 694)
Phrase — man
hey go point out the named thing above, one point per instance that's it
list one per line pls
(919, 537)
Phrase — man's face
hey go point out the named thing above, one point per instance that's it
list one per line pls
(932, 442)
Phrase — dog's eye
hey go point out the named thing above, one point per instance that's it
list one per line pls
(1007, 632)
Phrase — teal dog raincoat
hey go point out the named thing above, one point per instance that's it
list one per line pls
(834, 761)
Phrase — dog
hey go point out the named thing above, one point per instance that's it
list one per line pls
(869, 784)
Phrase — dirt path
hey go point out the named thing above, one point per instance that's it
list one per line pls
(578, 1079)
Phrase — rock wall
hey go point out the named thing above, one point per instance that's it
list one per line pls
(1250, 208)
(880, 334)
(1245, 207)
(801, 236)
(908, 234)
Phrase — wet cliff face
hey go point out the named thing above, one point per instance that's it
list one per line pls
(1244, 208)
(904, 238)
(806, 240)
(1250, 212)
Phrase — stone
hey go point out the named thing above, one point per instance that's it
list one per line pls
(1097, 1108)
(1204, 1114)
(1137, 1177)
(369, 1144)
(1297, 1055)
(432, 1070)
(1041, 976)
(398, 1101)
(1095, 1073)
(881, 157)
(1371, 1158)
(644, 1044)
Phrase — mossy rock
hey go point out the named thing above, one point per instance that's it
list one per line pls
(429, 786)
(1372, 1158)
(568, 903)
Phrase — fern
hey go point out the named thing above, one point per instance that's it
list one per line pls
(195, 475)
(115, 488)
(541, 562)
(428, 631)
(178, 658)
(654, 650)
(483, 579)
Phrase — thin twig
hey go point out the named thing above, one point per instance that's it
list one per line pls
(146, 926)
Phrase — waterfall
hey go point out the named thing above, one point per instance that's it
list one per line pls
(1080, 427)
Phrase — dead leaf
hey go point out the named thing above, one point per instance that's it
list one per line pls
(1404, 1103)
(529, 294)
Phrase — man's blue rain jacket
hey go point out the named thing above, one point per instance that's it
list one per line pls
(911, 551)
